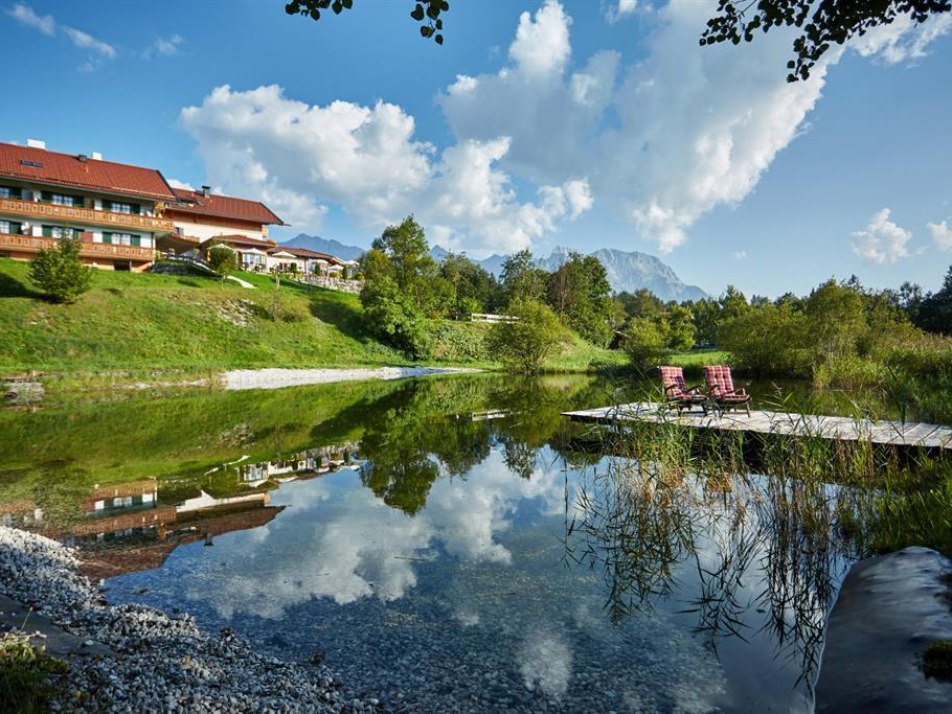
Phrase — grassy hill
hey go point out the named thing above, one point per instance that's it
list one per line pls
(142, 322)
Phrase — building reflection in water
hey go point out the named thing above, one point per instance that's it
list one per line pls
(131, 527)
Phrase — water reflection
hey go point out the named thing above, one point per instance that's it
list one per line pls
(446, 533)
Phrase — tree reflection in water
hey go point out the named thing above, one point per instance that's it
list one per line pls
(769, 545)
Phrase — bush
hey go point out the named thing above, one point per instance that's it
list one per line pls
(58, 272)
(524, 344)
(644, 342)
(24, 674)
(393, 317)
(223, 260)
(279, 309)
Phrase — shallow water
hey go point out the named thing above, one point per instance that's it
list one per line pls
(443, 544)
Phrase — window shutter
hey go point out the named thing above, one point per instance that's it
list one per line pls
(106, 237)
(136, 208)
(46, 196)
(136, 240)
(15, 228)
(47, 231)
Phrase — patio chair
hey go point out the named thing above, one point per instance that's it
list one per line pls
(678, 394)
(721, 391)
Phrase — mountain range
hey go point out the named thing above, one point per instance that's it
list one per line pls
(627, 271)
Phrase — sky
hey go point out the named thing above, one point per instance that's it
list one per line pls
(538, 123)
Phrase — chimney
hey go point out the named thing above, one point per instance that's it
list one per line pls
(206, 191)
(97, 156)
(36, 144)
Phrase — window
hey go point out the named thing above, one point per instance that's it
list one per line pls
(62, 199)
(10, 227)
(10, 192)
(121, 238)
(60, 232)
(116, 207)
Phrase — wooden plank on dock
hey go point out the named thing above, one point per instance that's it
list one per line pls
(769, 422)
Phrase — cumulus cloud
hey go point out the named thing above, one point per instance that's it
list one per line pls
(620, 10)
(542, 44)
(882, 241)
(299, 159)
(24, 13)
(941, 235)
(658, 142)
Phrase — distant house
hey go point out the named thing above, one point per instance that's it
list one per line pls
(114, 208)
(252, 252)
(306, 262)
(199, 216)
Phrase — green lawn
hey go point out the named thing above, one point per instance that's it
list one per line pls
(145, 322)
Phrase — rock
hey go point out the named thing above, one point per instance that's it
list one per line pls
(889, 609)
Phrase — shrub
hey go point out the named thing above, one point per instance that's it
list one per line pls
(644, 342)
(24, 674)
(394, 318)
(223, 260)
(58, 272)
(524, 344)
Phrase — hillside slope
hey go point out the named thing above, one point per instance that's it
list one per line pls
(194, 322)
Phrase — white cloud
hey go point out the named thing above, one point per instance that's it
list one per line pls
(47, 25)
(740, 255)
(620, 10)
(87, 41)
(882, 241)
(175, 183)
(25, 14)
(299, 159)
(903, 39)
(941, 235)
(659, 142)
(165, 46)
(542, 44)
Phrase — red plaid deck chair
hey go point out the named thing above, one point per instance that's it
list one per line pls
(677, 393)
(720, 389)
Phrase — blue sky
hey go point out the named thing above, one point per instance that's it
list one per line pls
(538, 123)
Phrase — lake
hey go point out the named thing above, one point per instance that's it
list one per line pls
(446, 544)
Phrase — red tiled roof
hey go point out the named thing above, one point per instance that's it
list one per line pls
(30, 164)
(236, 239)
(197, 203)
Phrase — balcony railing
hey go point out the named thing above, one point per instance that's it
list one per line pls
(89, 216)
(33, 244)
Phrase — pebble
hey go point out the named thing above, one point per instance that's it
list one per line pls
(164, 664)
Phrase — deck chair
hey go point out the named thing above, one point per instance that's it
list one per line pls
(721, 391)
(677, 394)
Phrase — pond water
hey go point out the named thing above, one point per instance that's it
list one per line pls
(445, 544)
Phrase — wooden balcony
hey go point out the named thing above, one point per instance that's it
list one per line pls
(19, 244)
(87, 216)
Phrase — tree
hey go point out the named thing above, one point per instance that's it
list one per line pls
(393, 316)
(935, 312)
(521, 279)
(769, 339)
(410, 264)
(579, 291)
(426, 12)
(644, 342)
(824, 23)
(524, 343)
(58, 272)
(223, 260)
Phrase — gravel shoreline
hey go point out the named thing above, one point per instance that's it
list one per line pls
(272, 378)
(161, 663)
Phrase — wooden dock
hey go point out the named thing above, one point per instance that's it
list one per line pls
(766, 422)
